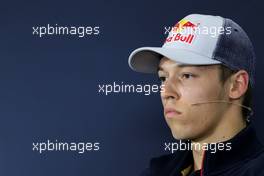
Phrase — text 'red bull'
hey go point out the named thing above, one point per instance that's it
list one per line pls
(181, 38)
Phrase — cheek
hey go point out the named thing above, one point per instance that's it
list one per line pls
(195, 125)
(200, 93)
(200, 115)
(199, 118)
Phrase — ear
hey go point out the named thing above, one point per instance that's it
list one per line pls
(238, 84)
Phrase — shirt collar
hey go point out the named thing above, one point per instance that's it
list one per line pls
(244, 145)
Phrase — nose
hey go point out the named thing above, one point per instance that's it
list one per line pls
(170, 90)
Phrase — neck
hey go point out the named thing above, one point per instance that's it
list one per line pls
(231, 123)
(197, 159)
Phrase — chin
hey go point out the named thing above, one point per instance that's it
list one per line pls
(179, 136)
(183, 134)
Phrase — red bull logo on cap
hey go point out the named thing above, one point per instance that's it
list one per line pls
(176, 34)
(184, 24)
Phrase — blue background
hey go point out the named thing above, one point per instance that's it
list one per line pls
(49, 85)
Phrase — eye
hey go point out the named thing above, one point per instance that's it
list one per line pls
(187, 75)
(162, 78)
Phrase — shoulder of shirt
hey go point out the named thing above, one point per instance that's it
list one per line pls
(256, 162)
(253, 166)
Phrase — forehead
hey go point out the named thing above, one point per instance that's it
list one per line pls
(167, 64)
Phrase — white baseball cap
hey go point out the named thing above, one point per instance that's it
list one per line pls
(200, 40)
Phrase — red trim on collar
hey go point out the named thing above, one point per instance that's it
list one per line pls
(202, 167)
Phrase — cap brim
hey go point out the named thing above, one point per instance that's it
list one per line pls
(146, 59)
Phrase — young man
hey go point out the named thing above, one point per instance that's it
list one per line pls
(206, 67)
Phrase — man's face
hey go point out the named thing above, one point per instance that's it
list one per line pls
(185, 85)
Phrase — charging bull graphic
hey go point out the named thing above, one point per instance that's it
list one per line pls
(184, 24)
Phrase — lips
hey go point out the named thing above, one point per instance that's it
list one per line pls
(171, 112)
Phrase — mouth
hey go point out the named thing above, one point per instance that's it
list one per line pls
(171, 113)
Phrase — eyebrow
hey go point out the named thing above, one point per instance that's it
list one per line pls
(178, 66)
(199, 67)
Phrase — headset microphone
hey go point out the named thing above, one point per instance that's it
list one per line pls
(223, 101)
